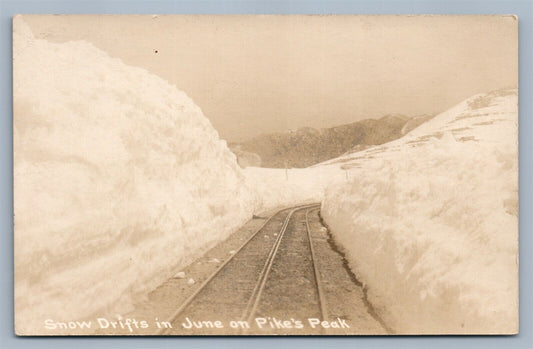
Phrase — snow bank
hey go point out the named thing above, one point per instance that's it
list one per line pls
(119, 180)
(291, 187)
(430, 221)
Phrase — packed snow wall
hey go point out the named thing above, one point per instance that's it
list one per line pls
(429, 222)
(119, 180)
(290, 187)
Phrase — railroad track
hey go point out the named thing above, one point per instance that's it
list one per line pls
(271, 280)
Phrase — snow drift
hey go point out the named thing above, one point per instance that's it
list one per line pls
(429, 222)
(295, 186)
(119, 180)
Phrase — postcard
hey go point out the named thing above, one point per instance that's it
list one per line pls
(189, 175)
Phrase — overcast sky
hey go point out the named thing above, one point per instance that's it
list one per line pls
(256, 74)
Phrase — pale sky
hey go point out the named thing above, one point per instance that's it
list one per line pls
(257, 74)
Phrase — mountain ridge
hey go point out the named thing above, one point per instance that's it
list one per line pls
(307, 146)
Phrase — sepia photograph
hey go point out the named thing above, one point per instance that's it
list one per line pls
(265, 175)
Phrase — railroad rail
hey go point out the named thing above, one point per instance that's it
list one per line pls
(252, 281)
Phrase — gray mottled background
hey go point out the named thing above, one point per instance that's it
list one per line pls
(524, 10)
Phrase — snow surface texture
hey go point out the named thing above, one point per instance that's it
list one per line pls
(291, 187)
(119, 180)
(429, 222)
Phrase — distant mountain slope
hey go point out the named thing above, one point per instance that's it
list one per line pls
(308, 146)
(414, 122)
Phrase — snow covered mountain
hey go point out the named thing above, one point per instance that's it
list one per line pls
(430, 221)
